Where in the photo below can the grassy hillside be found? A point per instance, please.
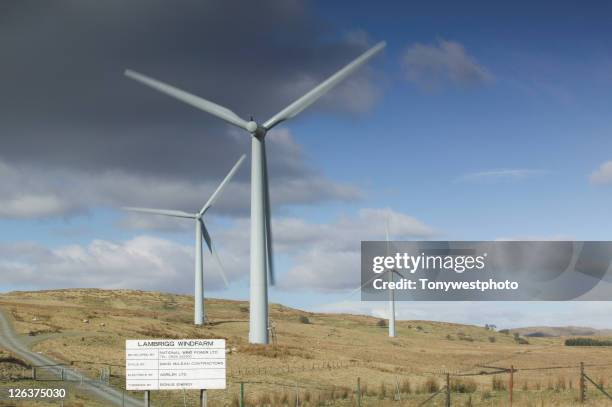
(323, 354)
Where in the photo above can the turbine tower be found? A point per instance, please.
(391, 292)
(262, 264)
(200, 231)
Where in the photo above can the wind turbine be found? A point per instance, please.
(391, 292)
(262, 263)
(200, 231)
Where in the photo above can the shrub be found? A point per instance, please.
(587, 342)
(492, 339)
(464, 386)
(520, 340)
(431, 385)
(498, 384)
(504, 331)
(304, 319)
(405, 386)
(382, 393)
(381, 323)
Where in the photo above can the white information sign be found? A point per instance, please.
(168, 364)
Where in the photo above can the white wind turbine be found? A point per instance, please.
(262, 263)
(200, 231)
(391, 292)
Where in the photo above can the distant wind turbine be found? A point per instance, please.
(262, 264)
(391, 291)
(200, 231)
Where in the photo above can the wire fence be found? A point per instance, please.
(284, 386)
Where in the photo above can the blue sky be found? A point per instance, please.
(478, 122)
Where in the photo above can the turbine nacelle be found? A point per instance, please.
(251, 127)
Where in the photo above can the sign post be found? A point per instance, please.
(203, 398)
(172, 364)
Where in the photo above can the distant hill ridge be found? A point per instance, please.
(559, 331)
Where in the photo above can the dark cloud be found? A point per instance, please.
(65, 103)
(76, 133)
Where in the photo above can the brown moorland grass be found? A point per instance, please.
(319, 360)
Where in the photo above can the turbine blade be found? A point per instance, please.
(387, 234)
(206, 236)
(214, 253)
(166, 212)
(217, 192)
(193, 100)
(363, 285)
(312, 96)
(268, 216)
(394, 271)
(221, 268)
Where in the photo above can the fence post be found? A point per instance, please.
(33, 372)
(511, 384)
(203, 398)
(62, 374)
(241, 394)
(358, 392)
(582, 384)
(147, 398)
(448, 390)
(297, 395)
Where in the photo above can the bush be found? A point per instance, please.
(405, 386)
(304, 319)
(587, 342)
(504, 331)
(381, 323)
(382, 393)
(498, 384)
(463, 386)
(522, 341)
(492, 339)
(431, 385)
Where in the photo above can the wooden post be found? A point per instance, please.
(358, 392)
(297, 395)
(62, 374)
(33, 372)
(241, 394)
(448, 390)
(582, 384)
(203, 398)
(511, 384)
(147, 398)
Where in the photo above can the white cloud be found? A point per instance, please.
(501, 175)
(327, 257)
(323, 256)
(432, 66)
(602, 175)
(32, 192)
(144, 263)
